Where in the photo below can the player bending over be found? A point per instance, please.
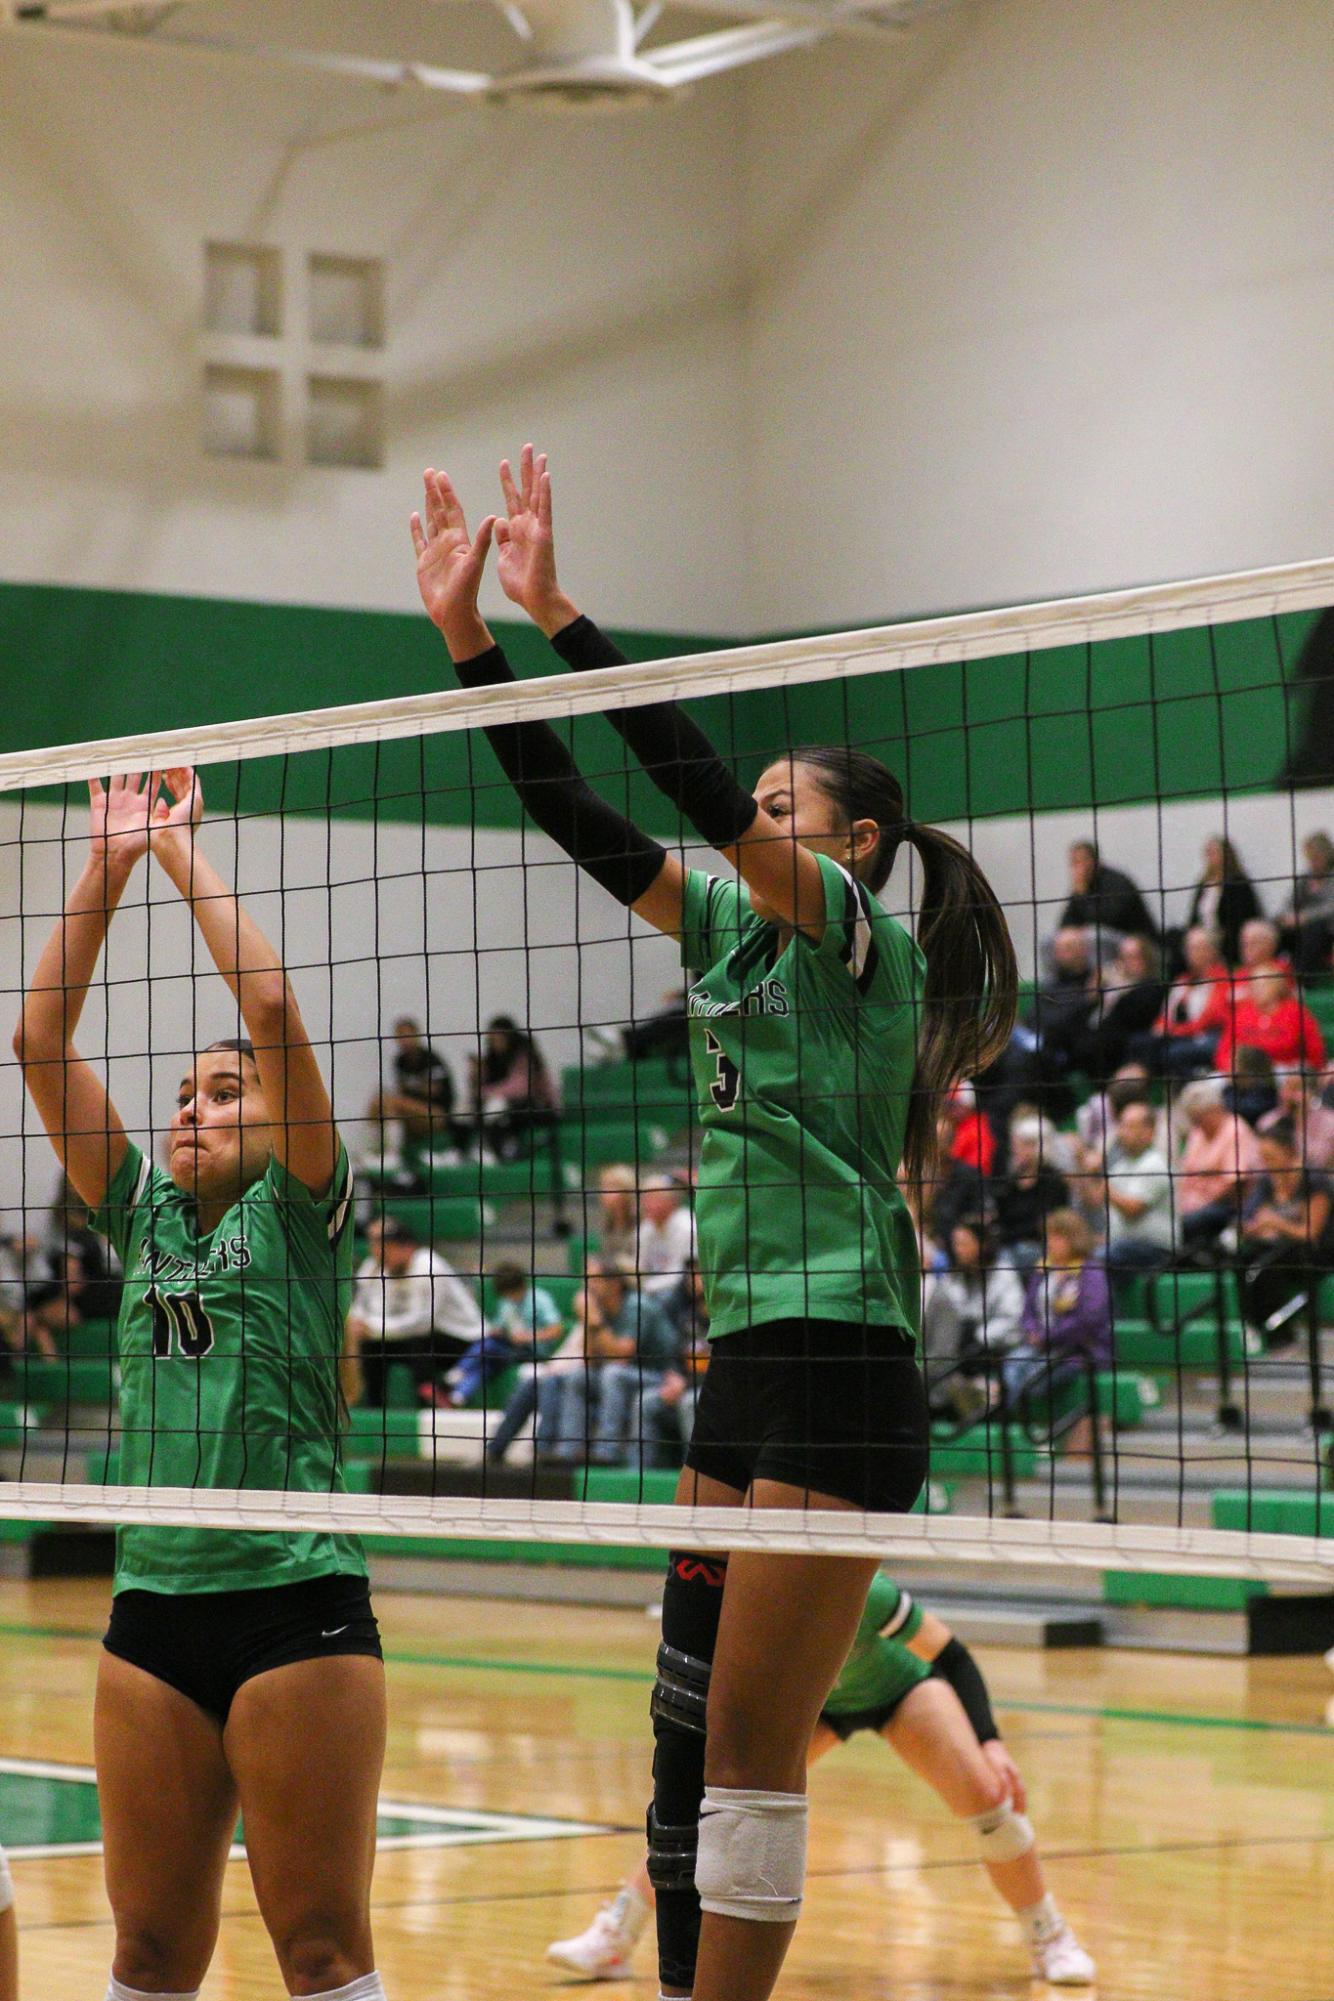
(238, 1669)
(822, 1039)
(908, 1678)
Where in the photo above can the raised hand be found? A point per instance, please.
(121, 818)
(176, 817)
(525, 547)
(450, 563)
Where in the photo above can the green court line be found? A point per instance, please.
(560, 1670)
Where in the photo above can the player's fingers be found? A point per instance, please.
(526, 474)
(481, 541)
(513, 501)
(451, 507)
(418, 534)
(544, 498)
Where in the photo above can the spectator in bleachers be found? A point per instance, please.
(1065, 999)
(661, 1035)
(665, 1245)
(1285, 1237)
(1220, 1158)
(628, 1345)
(1128, 1001)
(1028, 1191)
(955, 1189)
(1251, 1090)
(82, 1259)
(523, 1318)
(1104, 900)
(1067, 1321)
(539, 1389)
(409, 1306)
(971, 1138)
(972, 1314)
(1095, 1121)
(1135, 1195)
(618, 1212)
(29, 1297)
(667, 1413)
(1183, 1040)
(1259, 947)
(1224, 898)
(1312, 1121)
(1266, 1014)
(513, 1094)
(1307, 925)
(418, 1105)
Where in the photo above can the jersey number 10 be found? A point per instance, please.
(179, 1317)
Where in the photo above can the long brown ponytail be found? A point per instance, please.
(972, 980)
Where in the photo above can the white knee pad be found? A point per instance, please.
(117, 1991)
(6, 1883)
(1002, 1834)
(752, 1854)
(369, 1987)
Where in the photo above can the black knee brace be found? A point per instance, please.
(691, 1606)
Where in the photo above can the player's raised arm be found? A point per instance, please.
(71, 1099)
(305, 1140)
(673, 750)
(625, 862)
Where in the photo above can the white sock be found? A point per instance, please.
(369, 1987)
(1042, 1920)
(629, 1911)
(117, 1991)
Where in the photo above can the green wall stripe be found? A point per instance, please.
(1177, 716)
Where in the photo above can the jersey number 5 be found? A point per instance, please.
(726, 1086)
(179, 1316)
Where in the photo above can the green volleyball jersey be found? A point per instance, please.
(803, 1059)
(880, 1670)
(229, 1345)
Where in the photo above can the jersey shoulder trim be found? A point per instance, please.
(900, 1616)
(855, 923)
(340, 1197)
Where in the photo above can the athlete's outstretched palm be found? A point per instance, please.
(449, 561)
(121, 816)
(129, 812)
(525, 549)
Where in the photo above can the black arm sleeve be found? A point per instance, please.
(673, 750)
(956, 1665)
(559, 800)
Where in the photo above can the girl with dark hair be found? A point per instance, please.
(1223, 899)
(239, 1669)
(512, 1091)
(1285, 1236)
(822, 1038)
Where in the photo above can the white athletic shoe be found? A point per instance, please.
(1062, 1961)
(603, 1952)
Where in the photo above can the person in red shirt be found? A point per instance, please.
(1267, 1015)
(1184, 1037)
(972, 1139)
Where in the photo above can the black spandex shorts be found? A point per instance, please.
(852, 1720)
(824, 1405)
(206, 1643)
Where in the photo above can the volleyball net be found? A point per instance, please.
(1127, 1301)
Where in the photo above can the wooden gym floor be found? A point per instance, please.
(1185, 1807)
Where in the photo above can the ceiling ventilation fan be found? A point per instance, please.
(579, 54)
